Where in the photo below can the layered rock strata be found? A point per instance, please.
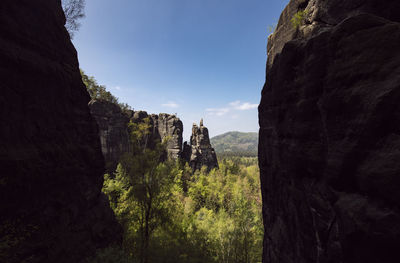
(51, 165)
(170, 127)
(164, 126)
(114, 134)
(113, 131)
(200, 152)
(329, 145)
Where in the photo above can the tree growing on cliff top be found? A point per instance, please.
(74, 10)
(100, 92)
(96, 91)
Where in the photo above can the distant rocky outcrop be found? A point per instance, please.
(200, 152)
(329, 145)
(164, 125)
(113, 131)
(51, 166)
(114, 135)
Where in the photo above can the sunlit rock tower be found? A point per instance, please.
(163, 126)
(114, 134)
(200, 152)
(171, 127)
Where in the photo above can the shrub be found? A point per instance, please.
(298, 18)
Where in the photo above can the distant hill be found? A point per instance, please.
(236, 143)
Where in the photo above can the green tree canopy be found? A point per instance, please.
(170, 215)
(100, 92)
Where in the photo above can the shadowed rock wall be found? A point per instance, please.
(51, 166)
(329, 145)
(113, 131)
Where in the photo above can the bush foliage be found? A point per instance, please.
(170, 214)
(100, 92)
(298, 18)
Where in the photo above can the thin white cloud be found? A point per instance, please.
(235, 103)
(217, 111)
(117, 87)
(246, 106)
(232, 106)
(170, 104)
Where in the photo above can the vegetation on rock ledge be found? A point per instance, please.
(100, 92)
(298, 18)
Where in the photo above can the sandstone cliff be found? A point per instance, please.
(162, 126)
(166, 125)
(329, 145)
(51, 166)
(114, 137)
(200, 152)
(113, 131)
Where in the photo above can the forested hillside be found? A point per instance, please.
(171, 214)
(236, 143)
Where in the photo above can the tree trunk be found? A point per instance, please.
(147, 231)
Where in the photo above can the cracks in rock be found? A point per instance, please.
(313, 212)
(331, 224)
(320, 21)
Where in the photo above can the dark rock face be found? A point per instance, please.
(113, 131)
(329, 145)
(51, 166)
(200, 152)
(162, 126)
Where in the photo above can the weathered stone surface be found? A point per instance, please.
(51, 166)
(114, 134)
(170, 126)
(113, 131)
(164, 125)
(200, 152)
(329, 145)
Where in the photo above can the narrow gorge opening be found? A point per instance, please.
(177, 200)
(182, 172)
(137, 131)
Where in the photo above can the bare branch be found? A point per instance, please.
(74, 10)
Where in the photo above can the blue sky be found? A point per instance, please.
(197, 58)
